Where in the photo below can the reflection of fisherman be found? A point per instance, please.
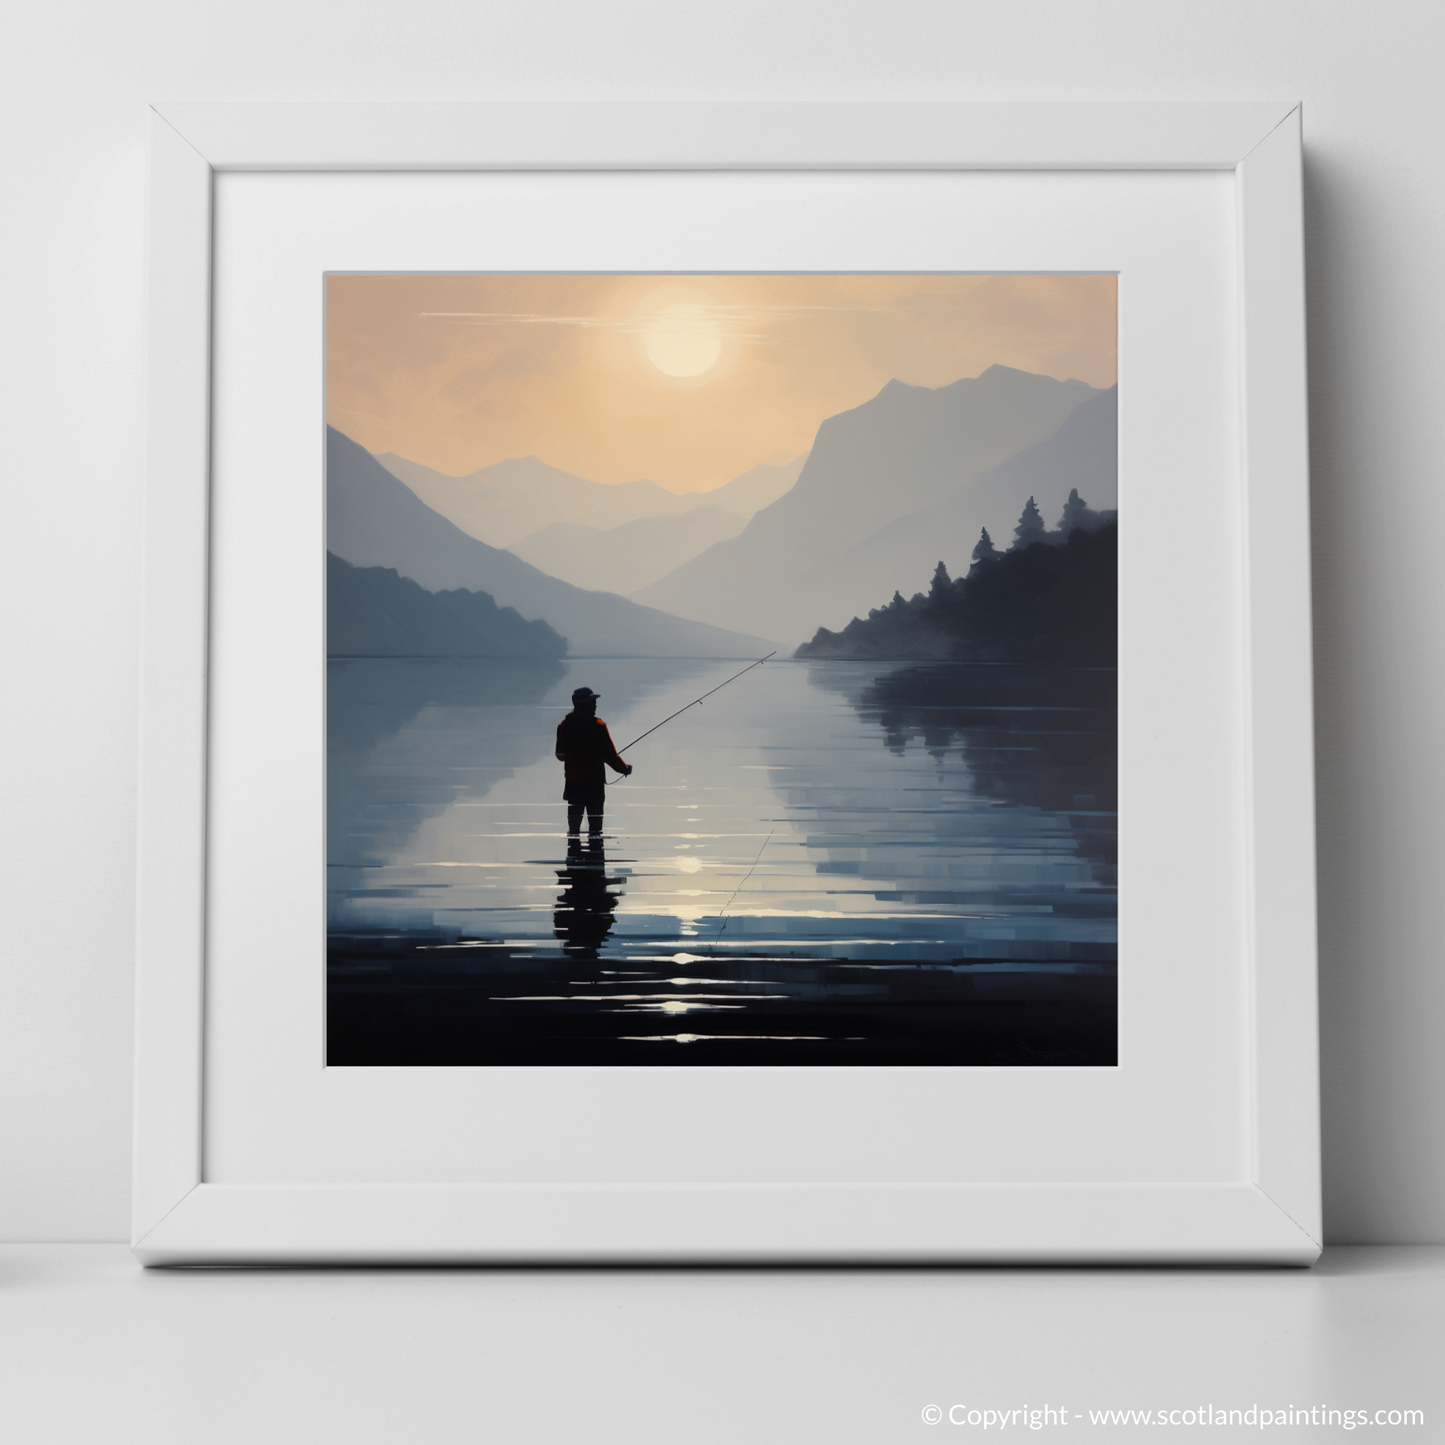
(584, 745)
(582, 917)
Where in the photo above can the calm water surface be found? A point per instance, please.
(824, 863)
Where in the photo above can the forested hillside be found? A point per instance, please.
(1051, 598)
(374, 612)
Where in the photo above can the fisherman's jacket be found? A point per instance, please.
(584, 745)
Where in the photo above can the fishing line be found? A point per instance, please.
(696, 701)
(741, 885)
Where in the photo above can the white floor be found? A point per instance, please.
(94, 1349)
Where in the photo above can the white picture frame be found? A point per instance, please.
(1269, 1213)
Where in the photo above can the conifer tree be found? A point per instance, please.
(983, 549)
(941, 585)
(1030, 528)
(1077, 513)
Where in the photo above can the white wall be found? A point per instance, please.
(79, 76)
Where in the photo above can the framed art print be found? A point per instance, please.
(890, 844)
(726, 683)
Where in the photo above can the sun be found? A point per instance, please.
(682, 341)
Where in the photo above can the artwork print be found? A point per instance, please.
(721, 670)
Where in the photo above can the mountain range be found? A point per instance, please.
(889, 489)
(374, 520)
(506, 503)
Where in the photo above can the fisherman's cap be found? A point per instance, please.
(584, 694)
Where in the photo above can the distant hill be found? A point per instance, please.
(624, 558)
(374, 520)
(504, 503)
(755, 489)
(795, 566)
(376, 612)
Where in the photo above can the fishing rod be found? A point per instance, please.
(696, 701)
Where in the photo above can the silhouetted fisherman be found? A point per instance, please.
(586, 750)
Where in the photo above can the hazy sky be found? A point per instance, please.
(687, 380)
